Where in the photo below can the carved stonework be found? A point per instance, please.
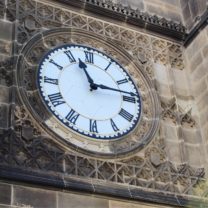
(6, 71)
(172, 113)
(39, 154)
(130, 15)
(143, 47)
(28, 147)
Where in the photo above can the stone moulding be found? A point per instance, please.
(152, 23)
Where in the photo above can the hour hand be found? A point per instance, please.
(110, 88)
(83, 66)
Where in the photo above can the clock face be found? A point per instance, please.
(89, 92)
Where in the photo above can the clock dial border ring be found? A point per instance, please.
(137, 105)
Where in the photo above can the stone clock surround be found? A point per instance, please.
(158, 173)
(27, 65)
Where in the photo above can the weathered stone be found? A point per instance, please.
(186, 13)
(196, 45)
(183, 3)
(174, 151)
(170, 131)
(204, 116)
(5, 194)
(157, 168)
(4, 94)
(205, 51)
(191, 135)
(200, 87)
(200, 73)
(180, 82)
(161, 73)
(201, 6)
(202, 102)
(194, 154)
(6, 30)
(155, 158)
(120, 204)
(4, 115)
(33, 197)
(133, 4)
(76, 201)
(193, 8)
(196, 61)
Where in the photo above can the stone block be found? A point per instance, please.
(164, 90)
(133, 4)
(193, 8)
(204, 117)
(205, 51)
(196, 45)
(183, 3)
(202, 103)
(191, 135)
(186, 13)
(196, 61)
(4, 116)
(201, 6)
(174, 151)
(204, 132)
(172, 14)
(153, 8)
(6, 30)
(199, 73)
(158, 3)
(194, 154)
(5, 194)
(161, 73)
(173, 2)
(169, 131)
(66, 200)
(200, 87)
(121, 204)
(4, 94)
(33, 197)
(180, 82)
(5, 47)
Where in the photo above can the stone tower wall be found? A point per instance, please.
(172, 169)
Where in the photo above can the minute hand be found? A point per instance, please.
(113, 89)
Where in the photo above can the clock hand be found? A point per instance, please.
(83, 66)
(93, 85)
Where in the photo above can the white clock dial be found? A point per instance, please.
(89, 92)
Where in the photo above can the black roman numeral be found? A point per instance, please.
(129, 99)
(122, 81)
(70, 56)
(50, 80)
(126, 115)
(72, 116)
(93, 126)
(58, 66)
(56, 99)
(89, 57)
(107, 66)
(115, 128)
